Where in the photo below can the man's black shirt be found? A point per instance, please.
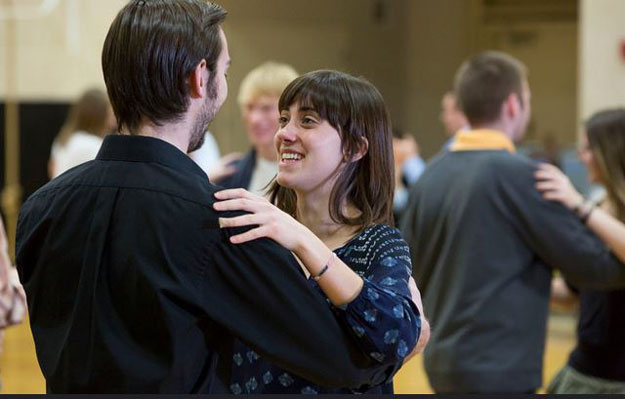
(133, 287)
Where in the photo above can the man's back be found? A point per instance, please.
(133, 287)
(482, 238)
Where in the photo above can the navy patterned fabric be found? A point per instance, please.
(383, 320)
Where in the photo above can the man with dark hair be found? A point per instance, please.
(484, 242)
(132, 286)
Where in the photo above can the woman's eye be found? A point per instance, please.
(283, 120)
(308, 121)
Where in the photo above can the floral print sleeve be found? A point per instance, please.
(383, 319)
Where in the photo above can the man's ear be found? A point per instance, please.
(363, 147)
(198, 80)
(512, 105)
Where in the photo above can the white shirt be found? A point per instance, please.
(79, 148)
(207, 156)
(264, 171)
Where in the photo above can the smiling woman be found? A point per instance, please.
(331, 206)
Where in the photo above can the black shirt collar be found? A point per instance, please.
(119, 147)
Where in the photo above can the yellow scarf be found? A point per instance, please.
(482, 139)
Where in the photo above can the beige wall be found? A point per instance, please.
(602, 69)
(342, 35)
(409, 49)
(58, 57)
(549, 50)
(55, 64)
(439, 36)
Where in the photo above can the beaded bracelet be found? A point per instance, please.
(325, 268)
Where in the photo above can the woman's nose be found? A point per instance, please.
(287, 133)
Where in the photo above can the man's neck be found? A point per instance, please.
(497, 126)
(176, 134)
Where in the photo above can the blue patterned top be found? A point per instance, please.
(383, 320)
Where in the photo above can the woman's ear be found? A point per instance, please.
(363, 147)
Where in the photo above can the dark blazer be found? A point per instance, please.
(242, 177)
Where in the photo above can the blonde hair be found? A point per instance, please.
(269, 78)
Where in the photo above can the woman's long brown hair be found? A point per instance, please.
(606, 140)
(356, 109)
(88, 114)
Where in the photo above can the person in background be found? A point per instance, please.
(258, 101)
(89, 119)
(207, 156)
(331, 204)
(452, 117)
(408, 168)
(549, 151)
(484, 242)
(12, 296)
(597, 364)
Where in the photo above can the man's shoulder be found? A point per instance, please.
(142, 179)
(500, 162)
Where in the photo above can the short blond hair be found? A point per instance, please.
(269, 78)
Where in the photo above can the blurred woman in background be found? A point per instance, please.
(597, 365)
(79, 140)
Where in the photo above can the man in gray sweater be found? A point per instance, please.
(484, 242)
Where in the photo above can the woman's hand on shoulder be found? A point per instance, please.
(556, 186)
(270, 221)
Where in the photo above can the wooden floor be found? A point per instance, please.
(20, 372)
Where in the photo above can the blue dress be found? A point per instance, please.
(383, 320)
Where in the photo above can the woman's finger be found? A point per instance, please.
(543, 174)
(249, 235)
(244, 220)
(552, 196)
(547, 185)
(239, 204)
(233, 193)
(549, 167)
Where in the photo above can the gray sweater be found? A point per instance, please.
(483, 246)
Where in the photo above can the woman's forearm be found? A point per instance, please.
(610, 230)
(340, 284)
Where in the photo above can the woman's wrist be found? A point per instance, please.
(311, 250)
(583, 210)
(577, 202)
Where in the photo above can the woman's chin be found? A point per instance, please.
(283, 181)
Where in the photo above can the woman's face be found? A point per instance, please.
(586, 157)
(309, 151)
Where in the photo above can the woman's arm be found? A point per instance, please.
(339, 283)
(12, 296)
(386, 321)
(562, 297)
(377, 309)
(556, 186)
